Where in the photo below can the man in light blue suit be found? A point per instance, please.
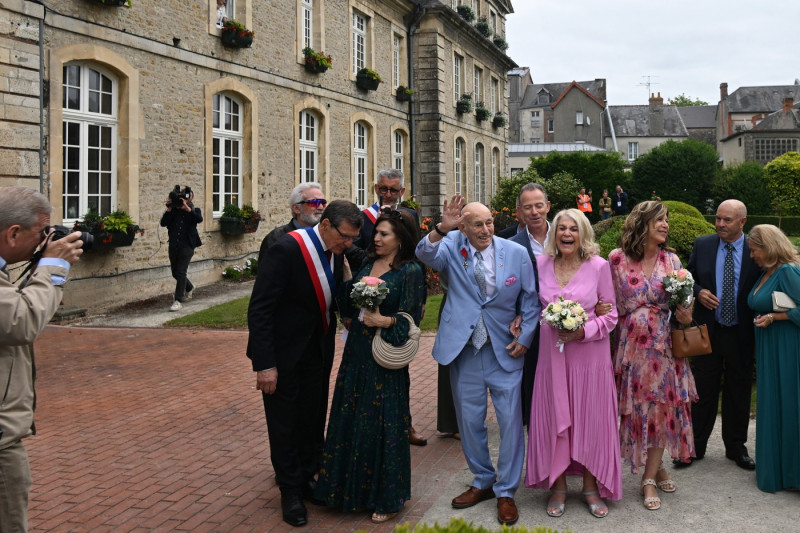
(488, 279)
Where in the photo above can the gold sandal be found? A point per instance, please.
(651, 503)
(666, 485)
(379, 518)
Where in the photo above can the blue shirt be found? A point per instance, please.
(738, 250)
(48, 261)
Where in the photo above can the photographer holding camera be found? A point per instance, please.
(24, 312)
(181, 219)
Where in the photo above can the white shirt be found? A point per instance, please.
(488, 267)
(536, 247)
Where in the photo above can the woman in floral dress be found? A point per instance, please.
(655, 390)
(366, 463)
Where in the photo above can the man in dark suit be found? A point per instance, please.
(306, 202)
(291, 344)
(722, 306)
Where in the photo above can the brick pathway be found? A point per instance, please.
(163, 430)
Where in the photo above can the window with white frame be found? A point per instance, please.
(550, 125)
(309, 147)
(360, 159)
(479, 175)
(493, 22)
(495, 166)
(359, 42)
(396, 60)
(398, 149)
(458, 75)
(535, 119)
(476, 7)
(89, 132)
(495, 96)
(308, 23)
(458, 165)
(579, 117)
(633, 151)
(478, 84)
(227, 140)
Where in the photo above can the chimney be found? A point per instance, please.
(788, 104)
(723, 91)
(656, 100)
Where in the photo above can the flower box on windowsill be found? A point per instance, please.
(367, 79)
(106, 240)
(231, 226)
(403, 94)
(481, 112)
(316, 62)
(113, 3)
(315, 68)
(235, 35)
(499, 120)
(464, 104)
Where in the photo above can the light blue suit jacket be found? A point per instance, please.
(514, 281)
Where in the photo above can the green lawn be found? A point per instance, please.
(233, 315)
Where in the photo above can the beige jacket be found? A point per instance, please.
(24, 313)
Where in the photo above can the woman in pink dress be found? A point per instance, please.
(655, 390)
(573, 425)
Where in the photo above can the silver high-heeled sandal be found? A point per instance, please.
(555, 509)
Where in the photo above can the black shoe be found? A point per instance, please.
(742, 460)
(294, 512)
(308, 493)
(677, 463)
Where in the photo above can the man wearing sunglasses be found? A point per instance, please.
(25, 310)
(306, 203)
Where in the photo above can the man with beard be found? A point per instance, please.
(306, 203)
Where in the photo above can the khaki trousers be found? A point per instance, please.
(15, 483)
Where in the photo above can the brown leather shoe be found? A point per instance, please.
(472, 496)
(415, 438)
(507, 513)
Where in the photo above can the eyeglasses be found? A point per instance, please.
(343, 236)
(315, 202)
(384, 190)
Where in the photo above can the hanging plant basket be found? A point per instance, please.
(464, 104)
(251, 225)
(403, 94)
(482, 113)
(316, 62)
(499, 121)
(113, 3)
(315, 68)
(367, 79)
(231, 226)
(235, 35)
(106, 240)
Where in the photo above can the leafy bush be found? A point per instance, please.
(607, 234)
(744, 182)
(459, 525)
(782, 176)
(595, 171)
(232, 211)
(233, 273)
(682, 208)
(789, 225)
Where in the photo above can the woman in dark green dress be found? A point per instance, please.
(777, 360)
(366, 464)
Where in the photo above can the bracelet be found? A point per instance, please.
(440, 232)
(771, 318)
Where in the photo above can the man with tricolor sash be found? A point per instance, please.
(291, 344)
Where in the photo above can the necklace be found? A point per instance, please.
(647, 269)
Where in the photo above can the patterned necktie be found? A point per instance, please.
(728, 301)
(480, 335)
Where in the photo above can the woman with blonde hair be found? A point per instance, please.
(777, 359)
(654, 388)
(573, 424)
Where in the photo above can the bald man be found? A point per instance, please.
(487, 277)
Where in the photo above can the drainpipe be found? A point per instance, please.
(611, 127)
(41, 105)
(419, 12)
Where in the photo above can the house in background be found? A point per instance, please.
(700, 122)
(757, 123)
(637, 129)
(520, 154)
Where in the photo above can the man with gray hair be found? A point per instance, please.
(306, 203)
(24, 312)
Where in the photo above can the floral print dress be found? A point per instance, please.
(655, 390)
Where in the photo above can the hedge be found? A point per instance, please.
(789, 225)
(459, 525)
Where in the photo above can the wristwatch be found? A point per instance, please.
(440, 232)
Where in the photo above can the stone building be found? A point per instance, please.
(109, 107)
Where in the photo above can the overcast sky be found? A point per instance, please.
(685, 46)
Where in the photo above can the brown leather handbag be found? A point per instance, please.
(690, 341)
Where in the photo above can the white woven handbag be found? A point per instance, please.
(395, 357)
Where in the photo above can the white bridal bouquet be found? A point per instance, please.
(680, 286)
(368, 293)
(564, 314)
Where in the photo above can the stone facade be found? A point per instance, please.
(166, 64)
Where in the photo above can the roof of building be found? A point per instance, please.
(577, 86)
(635, 121)
(528, 149)
(699, 116)
(519, 71)
(596, 88)
(781, 120)
(764, 99)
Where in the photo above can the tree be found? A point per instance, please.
(782, 176)
(682, 171)
(743, 182)
(685, 101)
(595, 171)
(562, 189)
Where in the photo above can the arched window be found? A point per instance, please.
(309, 147)
(227, 140)
(458, 165)
(360, 159)
(479, 174)
(89, 141)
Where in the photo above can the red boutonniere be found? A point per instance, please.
(464, 255)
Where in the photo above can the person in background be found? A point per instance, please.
(584, 201)
(654, 388)
(777, 335)
(619, 203)
(722, 306)
(181, 219)
(605, 205)
(25, 310)
(222, 13)
(367, 461)
(573, 420)
(306, 203)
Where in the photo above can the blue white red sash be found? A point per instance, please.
(319, 269)
(373, 211)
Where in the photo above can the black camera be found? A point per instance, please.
(178, 197)
(60, 232)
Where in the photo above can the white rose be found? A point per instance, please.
(569, 323)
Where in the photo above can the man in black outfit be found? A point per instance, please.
(181, 219)
(291, 344)
(721, 291)
(619, 202)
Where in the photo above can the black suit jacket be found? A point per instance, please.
(284, 316)
(702, 265)
(510, 232)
